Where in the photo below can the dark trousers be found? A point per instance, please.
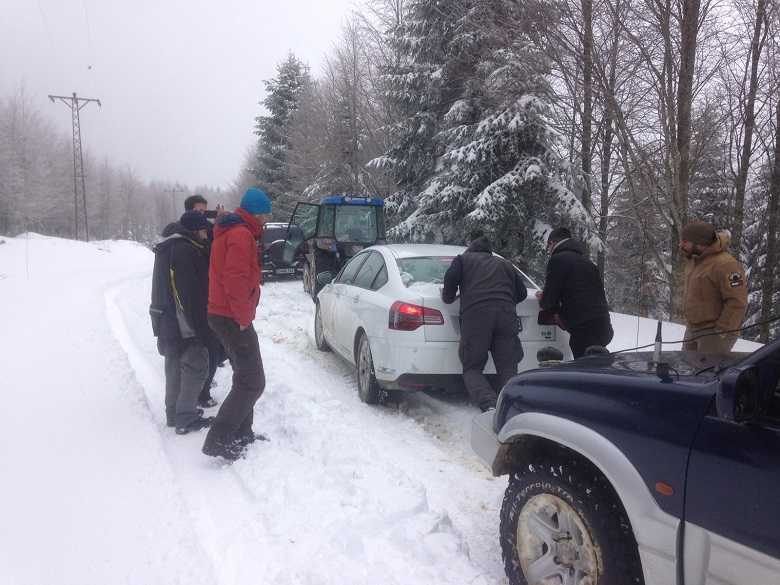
(594, 332)
(186, 364)
(489, 328)
(236, 413)
(216, 357)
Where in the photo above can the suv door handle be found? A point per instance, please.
(355, 298)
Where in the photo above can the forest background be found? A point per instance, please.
(621, 119)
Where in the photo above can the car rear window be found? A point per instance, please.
(431, 269)
(428, 269)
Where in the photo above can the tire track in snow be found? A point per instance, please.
(446, 418)
(343, 493)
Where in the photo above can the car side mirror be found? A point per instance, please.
(324, 278)
(546, 318)
(739, 394)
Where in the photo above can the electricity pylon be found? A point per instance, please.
(75, 104)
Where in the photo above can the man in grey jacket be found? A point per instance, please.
(490, 288)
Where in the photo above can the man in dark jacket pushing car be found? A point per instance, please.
(574, 291)
(490, 289)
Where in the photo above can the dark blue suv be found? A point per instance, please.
(623, 471)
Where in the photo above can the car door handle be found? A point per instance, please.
(355, 298)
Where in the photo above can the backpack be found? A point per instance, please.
(162, 309)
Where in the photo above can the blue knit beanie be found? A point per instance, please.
(255, 201)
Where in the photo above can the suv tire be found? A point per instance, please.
(319, 334)
(570, 524)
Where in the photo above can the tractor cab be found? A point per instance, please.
(333, 231)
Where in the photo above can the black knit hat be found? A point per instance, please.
(194, 221)
(698, 232)
(559, 234)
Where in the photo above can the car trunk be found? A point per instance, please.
(528, 312)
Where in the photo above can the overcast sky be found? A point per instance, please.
(179, 80)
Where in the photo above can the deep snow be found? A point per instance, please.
(96, 490)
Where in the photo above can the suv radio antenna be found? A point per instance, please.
(658, 342)
(661, 368)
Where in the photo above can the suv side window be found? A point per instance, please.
(369, 271)
(350, 270)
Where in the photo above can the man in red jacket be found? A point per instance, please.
(234, 292)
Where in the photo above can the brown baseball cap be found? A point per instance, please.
(698, 232)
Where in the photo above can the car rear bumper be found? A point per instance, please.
(282, 271)
(394, 361)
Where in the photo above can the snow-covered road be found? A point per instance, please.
(97, 490)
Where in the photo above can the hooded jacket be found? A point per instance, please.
(235, 270)
(482, 277)
(573, 286)
(180, 286)
(715, 289)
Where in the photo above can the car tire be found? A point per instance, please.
(319, 334)
(368, 388)
(571, 525)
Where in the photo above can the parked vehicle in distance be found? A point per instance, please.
(625, 470)
(277, 263)
(383, 313)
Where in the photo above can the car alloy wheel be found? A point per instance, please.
(368, 388)
(554, 544)
(319, 334)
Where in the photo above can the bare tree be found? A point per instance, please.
(760, 28)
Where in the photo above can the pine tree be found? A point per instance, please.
(283, 94)
(479, 150)
(417, 87)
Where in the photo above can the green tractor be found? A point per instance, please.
(333, 231)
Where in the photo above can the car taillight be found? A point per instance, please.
(408, 317)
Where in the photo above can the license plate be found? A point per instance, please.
(547, 332)
(285, 271)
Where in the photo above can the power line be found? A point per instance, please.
(75, 104)
(46, 27)
(89, 31)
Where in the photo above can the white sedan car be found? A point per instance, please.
(383, 313)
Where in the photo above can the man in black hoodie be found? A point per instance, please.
(490, 288)
(178, 310)
(573, 289)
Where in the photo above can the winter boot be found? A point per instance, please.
(196, 425)
(221, 442)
